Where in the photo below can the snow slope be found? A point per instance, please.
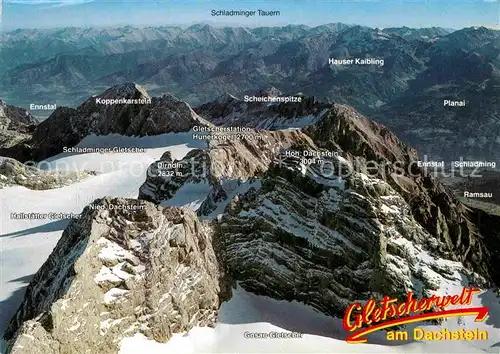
(26, 244)
(180, 143)
(190, 195)
(247, 312)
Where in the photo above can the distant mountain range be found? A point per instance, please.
(422, 68)
(67, 65)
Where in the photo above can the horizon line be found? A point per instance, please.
(228, 25)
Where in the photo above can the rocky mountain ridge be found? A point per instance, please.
(14, 173)
(136, 115)
(42, 44)
(228, 110)
(342, 129)
(146, 262)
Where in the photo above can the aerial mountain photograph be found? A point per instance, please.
(249, 176)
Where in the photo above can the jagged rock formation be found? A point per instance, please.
(16, 125)
(346, 129)
(13, 172)
(227, 110)
(327, 242)
(140, 115)
(219, 167)
(433, 205)
(124, 266)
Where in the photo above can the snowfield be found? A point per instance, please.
(247, 313)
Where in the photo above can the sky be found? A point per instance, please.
(384, 13)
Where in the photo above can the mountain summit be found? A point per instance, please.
(123, 109)
(128, 90)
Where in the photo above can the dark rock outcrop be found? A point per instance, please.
(326, 242)
(16, 126)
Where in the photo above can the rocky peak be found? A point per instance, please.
(126, 90)
(270, 91)
(164, 115)
(343, 127)
(324, 236)
(125, 266)
(15, 118)
(433, 205)
(326, 242)
(230, 111)
(139, 117)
